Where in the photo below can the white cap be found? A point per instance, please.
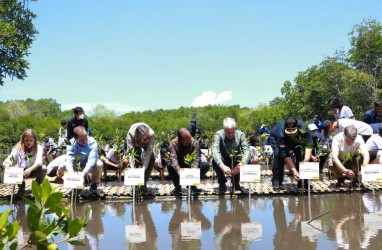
(263, 126)
(312, 127)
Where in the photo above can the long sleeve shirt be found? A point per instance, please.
(88, 154)
(282, 144)
(133, 143)
(21, 159)
(178, 153)
(73, 122)
(222, 147)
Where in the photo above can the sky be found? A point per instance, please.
(136, 55)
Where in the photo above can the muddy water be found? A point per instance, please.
(353, 221)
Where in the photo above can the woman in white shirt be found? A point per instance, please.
(27, 154)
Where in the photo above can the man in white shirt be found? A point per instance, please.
(363, 129)
(374, 146)
(346, 148)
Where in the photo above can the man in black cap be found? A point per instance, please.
(195, 129)
(291, 136)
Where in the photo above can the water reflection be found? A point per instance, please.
(94, 230)
(186, 225)
(354, 222)
(143, 227)
(227, 224)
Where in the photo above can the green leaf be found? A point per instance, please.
(53, 200)
(45, 190)
(4, 218)
(75, 226)
(36, 191)
(76, 243)
(12, 230)
(33, 219)
(37, 237)
(50, 227)
(31, 204)
(13, 246)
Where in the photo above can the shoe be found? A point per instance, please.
(177, 190)
(241, 189)
(195, 189)
(299, 185)
(340, 183)
(222, 188)
(93, 190)
(276, 187)
(146, 191)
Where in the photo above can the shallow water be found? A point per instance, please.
(354, 221)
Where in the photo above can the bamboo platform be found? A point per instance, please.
(116, 190)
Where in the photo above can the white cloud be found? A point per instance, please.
(211, 98)
(118, 108)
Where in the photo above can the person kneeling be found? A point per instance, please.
(181, 146)
(347, 146)
(82, 155)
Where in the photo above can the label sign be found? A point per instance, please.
(13, 175)
(314, 228)
(372, 172)
(135, 233)
(191, 230)
(309, 170)
(251, 231)
(250, 173)
(189, 176)
(134, 177)
(74, 179)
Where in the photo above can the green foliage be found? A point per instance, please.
(235, 156)
(78, 159)
(133, 156)
(45, 228)
(351, 156)
(190, 158)
(301, 141)
(17, 34)
(8, 231)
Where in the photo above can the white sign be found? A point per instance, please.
(191, 230)
(250, 173)
(373, 221)
(74, 179)
(189, 176)
(135, 233)
(13, 175)
(251, 231)
(134, 177)
(313, 228)
(372, 172)
(309, 170)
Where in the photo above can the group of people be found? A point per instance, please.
(292, 141)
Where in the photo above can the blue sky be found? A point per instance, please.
(146, 55)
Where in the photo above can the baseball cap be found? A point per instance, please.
(193, 121)
(291, 126)
(312, 127)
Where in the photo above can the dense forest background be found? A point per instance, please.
(355, 75)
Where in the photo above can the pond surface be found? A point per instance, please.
(353, 221)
